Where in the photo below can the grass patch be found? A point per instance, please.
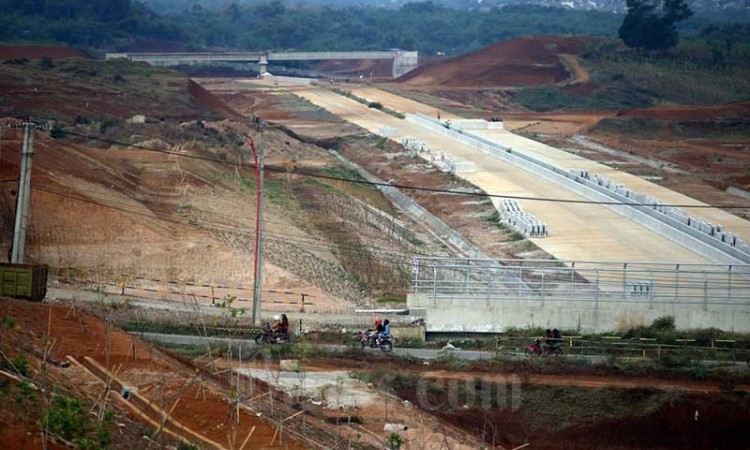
(556, 408)
(686, 75)
(69, 419)
(193, 351)
(189, 329)
(374, 105)
(390, 299)
(277, 194)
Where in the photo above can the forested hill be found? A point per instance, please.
(113, 24)
(88, 24)
(427, 27)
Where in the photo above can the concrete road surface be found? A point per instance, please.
(577, 231)
(563, 159)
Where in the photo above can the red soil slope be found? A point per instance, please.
(527, 61)
(38, 52)
(355, 68)
(211, 102)
(203, 405)
(739, 109)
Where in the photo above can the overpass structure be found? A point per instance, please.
(403, 61)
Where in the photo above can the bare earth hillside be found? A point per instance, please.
(526, 61)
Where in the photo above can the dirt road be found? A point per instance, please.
(580, 75)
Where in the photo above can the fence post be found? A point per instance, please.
(729, 283)
(705, 291)
(572, 278)
(520, 279)
(651, 292)
(658, 354)
(434, 286)
(596, 292)
(489, 287)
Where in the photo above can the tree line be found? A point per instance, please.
(275, 26)
(426, 27)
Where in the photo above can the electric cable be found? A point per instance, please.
(312, 174)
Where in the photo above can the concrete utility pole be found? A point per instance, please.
(258, 267)
(24, 190)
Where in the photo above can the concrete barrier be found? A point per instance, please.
(476, 316)
(403, 333)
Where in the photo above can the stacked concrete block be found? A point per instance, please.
(512, 214)
(414, 144)
(638, 288)
(581, 173)
(678, 215)
(715, 231)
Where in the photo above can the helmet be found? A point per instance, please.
(276, 317)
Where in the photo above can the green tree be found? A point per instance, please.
(652, 24)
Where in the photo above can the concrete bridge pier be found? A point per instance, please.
(263, 65)
(404, 62)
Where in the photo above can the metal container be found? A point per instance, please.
(27, 281)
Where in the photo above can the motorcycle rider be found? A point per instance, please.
(374, 332)
(546, 341)
(386, 333)
(556, 341)
(281, 328)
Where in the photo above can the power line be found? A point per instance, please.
(310, 174)
(132, 209)
(307, 243)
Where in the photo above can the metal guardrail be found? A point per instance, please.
(720, 349)
(442, 279)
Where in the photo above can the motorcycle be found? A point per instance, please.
(536, 348)
(269, 336)
(367, 338)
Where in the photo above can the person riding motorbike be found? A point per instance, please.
(386, 333)
(373, 332)
(547, 341)
(281, 327)
(556, 342)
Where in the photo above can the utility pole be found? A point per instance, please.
(258, 266)
(24, 189)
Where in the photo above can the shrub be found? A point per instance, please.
(662, 324)
(375, 105)
(699, 371)
(69, 419)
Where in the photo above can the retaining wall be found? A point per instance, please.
(476, 315)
